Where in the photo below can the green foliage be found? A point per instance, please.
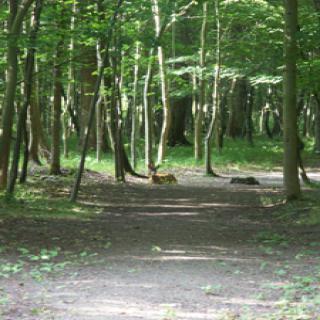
(271, 238)
(302, 212)
(37, 200)
(236, 155)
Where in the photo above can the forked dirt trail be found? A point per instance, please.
(192, 251)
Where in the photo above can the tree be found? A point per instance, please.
(21, 125)
(166, 122)
(202, 85)
(57, 111)
(290, 169)
(18, 11)
(215, 97)
(94, 101)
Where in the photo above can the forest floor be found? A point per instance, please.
(201, 249)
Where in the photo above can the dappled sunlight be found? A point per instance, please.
(126, 310)
(120, 309)
(240, 301)
(192, 258)
(165, 214)
(188, 257)
(178, 197)
(198, 248)
(218, 306)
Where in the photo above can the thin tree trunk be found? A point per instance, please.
(317, 125)
(266, 122)
(119, 167)
(68, 105)
(99, 117)
(21, 125)
(215, 97)
(94, 100)
(16, 17)
(166, 122)
(249, 124)
(202, 84)
(65, 126)
(148, 112)
(290, 170)
(24, 169)
(36, 131)
(99, 129)
(57, 111)
(148, 82)
(134, 108)
(109, 121)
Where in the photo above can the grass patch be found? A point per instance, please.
(43, 199)
(49, 198)
(305, 211)
(236, 155)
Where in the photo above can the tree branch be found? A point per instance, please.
(22, 11)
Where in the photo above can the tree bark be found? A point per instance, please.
(237, 104)
(180, 110)
(134, 108)
(16, 17)
(290, 170)
(36, 130)
(88, 78)
(93, 103)
(57, 111)
(21, 125)
(148, 111)
(317, 125)
(166, 122)
(202, 88)
(215, 96)
(249, 122)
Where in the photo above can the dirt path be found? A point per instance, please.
(197, 250)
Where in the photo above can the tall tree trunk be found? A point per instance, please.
(99, 129)
(99, 111)
(249, 122)
(36, 130)
(88, 78)
(147, 85)
(148, 111)
(118, 148)
(25, 162)
(215, 97)
(16, 16)
(238, 99)
(65, 126)
(21, 125)
(134, 108)
(202, 87)
(93, 103)
(266, 122)
(317, 107)
(290, 170)
(166, 122)
(180, 110)
(317, 125)
(57, 111)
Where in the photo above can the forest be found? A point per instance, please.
(159, 159)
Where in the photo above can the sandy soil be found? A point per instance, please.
(189, 251)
